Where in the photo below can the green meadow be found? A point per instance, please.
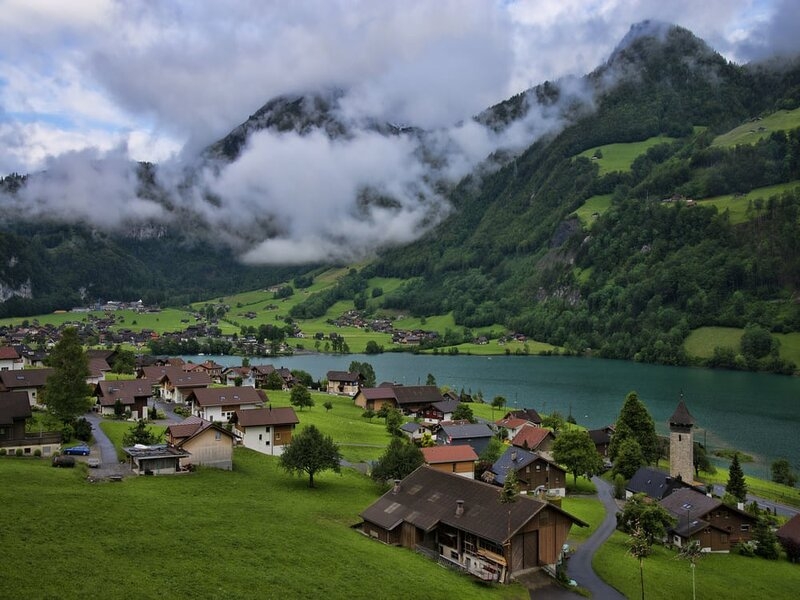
(254, 532)
(740, 206)
(592, 208)
(620, 157)
(701, 342)
(758, 129)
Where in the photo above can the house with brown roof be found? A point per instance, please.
(133, 394)
(788, 535)
(175, 384)
(10, 360)
(602, 439)
(452, 459)
(410, 399)
(513, 425)
(219, 404)
(210, 367)
(461, 522)
(344, 382)
(535, 472)
(537, 439)
(717, 526)
(209, 444)
(15, 410)
(262, 372)
(98, 367)
(30, 381)
(266, 430)
(437, 412)
(239, 376)
(528, 414)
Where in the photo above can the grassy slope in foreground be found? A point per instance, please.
(254, 532)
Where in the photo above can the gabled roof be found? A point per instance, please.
(8, 353)
(126, 390)
(517, 458)
(654, 483)
(98, 366)
(529, 414)
(255, 417)
(378, 393)
(790, 530)
(428, 497)
(417, 394)
(345, 376)
(446, 406)
(190, 428)
(681, 416)
(26, 378)
(511, 422)
(447, 454)
(14, 406)
(186, 379)
(469, 431)
(531, 436)
(227, 396)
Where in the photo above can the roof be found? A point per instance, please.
(681, 416)
(378, 393)
(13, 407)
(142, 452)
(428, 497)
(266, 416)
(26, 378)
(654, 483)
(531, 437)
(511, 422)
(343, 376)
(8, 353)
(177, 376)
(600, 436)
(97, 366)
(471, 430)
(228, 396)
(529, 414)
(192, 426)
(790, 530)
(688, 500)
(516, 458)
(124, 390)
(417, 394)
(446, 454)
(447, 405)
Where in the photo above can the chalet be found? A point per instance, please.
(262, 372)
(414, 431)
(602, 439)
(513, 425)
(344, 382)
(266, 430)
(528, 414)
(160, 459)
(788, 535)
(30, 381)
(537, 439)
(211, 368)
(410, 399)
(98, 367)
(653, 483)
(10, 360)
(15, 410)
(460, 522)
(477, 435)
(208, 444)
(133, 395)
(439, 411)
(239, 376)
(535, 472)
(717, 526)
(219, 404)
(452, 459)
(175, 384)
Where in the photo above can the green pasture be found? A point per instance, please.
(758, 129)
(620, 157)
(251, 532)
(667, 576)
(594, 205)
(740, 206)
(702, 341)
(589, 510)
(790, 346)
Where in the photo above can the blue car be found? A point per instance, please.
(81, 450)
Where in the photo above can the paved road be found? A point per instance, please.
(579, 567)
(783, 510)
(110, 465)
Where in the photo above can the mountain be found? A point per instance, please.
(611, 216)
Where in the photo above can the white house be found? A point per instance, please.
(266, 430)
(219, 404)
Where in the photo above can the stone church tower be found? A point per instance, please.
(681, 444)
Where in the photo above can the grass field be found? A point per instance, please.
(717, 575)
(752, 131)
(737, 205)
(701, 342)
(254, 532)
(596, 205)
(620, 157)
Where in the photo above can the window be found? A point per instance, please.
(277, 436)
(745, 527)
(218, 435)
(260, 437)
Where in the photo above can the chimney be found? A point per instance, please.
(459, 508)
(396, 487)
(513, 456)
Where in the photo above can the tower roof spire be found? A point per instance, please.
(681, 416)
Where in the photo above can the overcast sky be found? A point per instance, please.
(148, 80)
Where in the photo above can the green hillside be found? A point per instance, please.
(620, 157)
(759, 128)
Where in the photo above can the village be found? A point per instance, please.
(447, 508)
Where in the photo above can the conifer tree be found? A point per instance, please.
(635, 417)
(736, 486)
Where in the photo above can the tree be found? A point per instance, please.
(140, 433)
(394, 419)
(498, 402)
(430, 379)
(576, 451)
(398, 460)
(640, 549)
(555, 421)
(782, 472)
(66, 393)
(373, 348)
(508, 496)
(765, 538)
(692, 552)
(301, 397)
(640, 426)
(463, 412)
(125, 361)
(701, 460)
(311, 452)
(274, 381)
(328, 405)
(736, 485)
(368, 414)
(303, 377)
(366, 371)
(651, 517)
(757, 342)
(629, 458)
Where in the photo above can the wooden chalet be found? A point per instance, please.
(460, 523)
(653, 483)
(451, 459)
(410, 399)
(208, 444)
(344, 382)
(602, 439)
(15, 410)
(133, 395)
(535, 472)
(174, 384)
(30, 381)
(527, 414)
(219, 404)
(537, 439)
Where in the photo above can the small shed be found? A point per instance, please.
(159, 459)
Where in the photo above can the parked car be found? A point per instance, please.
(79, 450)
(62, 461)
(94, 463)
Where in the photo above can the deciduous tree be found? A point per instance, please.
(400, 459)
(301, 397)
(66, 393)
(463, 412)
(576, 451)
(366, 371)
(782, 472)
(311, 452)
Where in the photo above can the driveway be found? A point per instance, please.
(110, 465)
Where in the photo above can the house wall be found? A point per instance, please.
(211, 448)
(159, 466)
(266, 439)
(379, 533)
(730, 522)
(553, 529)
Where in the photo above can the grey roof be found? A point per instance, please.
(429, 497)
(25, 378)
(14, 406)
(153, 452)
(473, 430)
(654, 483)
(681, 416)
(446, 406)
(515, 458)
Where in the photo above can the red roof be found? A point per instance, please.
(445, 454)
(530, 437)
(511, 423)
(8, 353)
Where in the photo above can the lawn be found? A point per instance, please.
(752, 131)
(620, 157)
(739, 206)
(251, 532)
(593, 208)
(115, 430)
(717, 575)
(590, 510)
(702, 341)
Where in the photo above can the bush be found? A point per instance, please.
(37, 453)
(19, 452)
(3, 452)
(67, 433)
(83, 429)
